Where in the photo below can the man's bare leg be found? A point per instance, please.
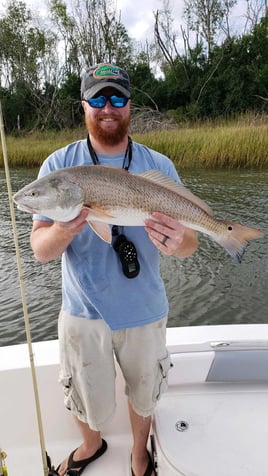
(91, 443)
(140, 430)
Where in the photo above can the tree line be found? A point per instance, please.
(203, 69)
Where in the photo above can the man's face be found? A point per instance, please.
(108, 125)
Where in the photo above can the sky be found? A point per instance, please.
(137, 15)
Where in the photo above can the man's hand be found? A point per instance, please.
(50, 239)
(75, 226)
(170, 237)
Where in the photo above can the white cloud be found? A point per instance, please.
(137, 16)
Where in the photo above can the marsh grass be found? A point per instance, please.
(30, 150)
(206, 146)
(213, 147)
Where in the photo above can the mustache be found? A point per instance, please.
(103, 115)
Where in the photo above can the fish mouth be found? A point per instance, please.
(26, 208)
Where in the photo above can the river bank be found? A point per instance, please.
(237, 145)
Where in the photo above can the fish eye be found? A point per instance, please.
(33, 193)
(230, 228)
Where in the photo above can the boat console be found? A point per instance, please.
(213, 421)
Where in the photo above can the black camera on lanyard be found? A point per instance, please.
(128, 256)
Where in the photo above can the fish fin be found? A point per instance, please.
(101, 229)
(171, 184)
(236, 238)
(95, 216)
(98, 212)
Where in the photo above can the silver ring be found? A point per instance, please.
(164, 240)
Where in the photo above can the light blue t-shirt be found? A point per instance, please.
(93, 283)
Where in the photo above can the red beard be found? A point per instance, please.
(105, 136)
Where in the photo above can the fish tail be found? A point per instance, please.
(236, 238)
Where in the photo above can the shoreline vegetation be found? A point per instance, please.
(229, 144)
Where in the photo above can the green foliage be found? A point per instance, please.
(40, 68)
(22, 47)
(240, 78)
(207, 17)
(143, 84)
(69, 97)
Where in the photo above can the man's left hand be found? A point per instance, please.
(170, 237)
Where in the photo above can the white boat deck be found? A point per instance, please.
(218, 386)
(19, 435)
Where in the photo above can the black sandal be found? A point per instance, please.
(149, 469)
(82, 463)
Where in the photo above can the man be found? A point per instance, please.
(110, 308)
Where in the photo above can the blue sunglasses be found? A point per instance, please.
(115, 101)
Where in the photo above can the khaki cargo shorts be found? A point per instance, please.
(87, 351)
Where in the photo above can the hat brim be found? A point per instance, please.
(88, 94)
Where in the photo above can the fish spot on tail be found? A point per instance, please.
(242, 233)
(236, 238)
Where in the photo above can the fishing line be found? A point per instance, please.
(23, 297)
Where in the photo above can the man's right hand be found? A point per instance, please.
(50, 239)
(75, 226)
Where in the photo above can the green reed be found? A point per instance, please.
(213, 147)
(206, 146)
(30, 150)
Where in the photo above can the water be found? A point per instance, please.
(207, 288)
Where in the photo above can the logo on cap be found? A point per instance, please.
(106, 71)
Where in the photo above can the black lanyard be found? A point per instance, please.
(125, 248)
(127, 156)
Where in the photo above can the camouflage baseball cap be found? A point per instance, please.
(102, 76)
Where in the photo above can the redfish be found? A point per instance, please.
(115, 197)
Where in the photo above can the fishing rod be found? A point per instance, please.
(48, 470)
(3, 468)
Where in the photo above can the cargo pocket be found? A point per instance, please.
(71, 398)
(161, 383)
